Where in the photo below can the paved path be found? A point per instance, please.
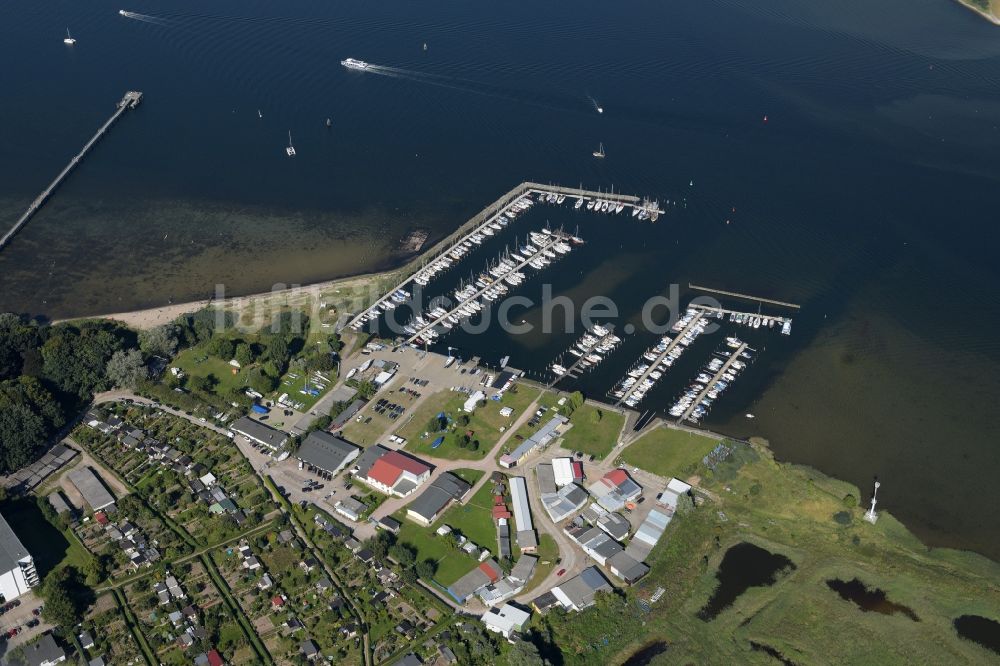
(121, 395)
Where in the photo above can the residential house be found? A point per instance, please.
(506, 619)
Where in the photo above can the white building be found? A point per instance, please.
(506, 619)
(17, 568)
(473, 401)
(562, 470)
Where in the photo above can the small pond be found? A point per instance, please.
(980, 629)
(873, 600)
(743, 566)
(645, 655)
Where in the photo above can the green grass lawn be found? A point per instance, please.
(452, 563)
(547, 552)
(485, 423)
(595, 431)
(474, 520)
(50, 547)
(470, 476)
(669, 452)
(365, 434)
(294, 385)
(195, 362)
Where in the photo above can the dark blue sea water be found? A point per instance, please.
(868, 196)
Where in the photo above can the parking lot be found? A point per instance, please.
(21, 621)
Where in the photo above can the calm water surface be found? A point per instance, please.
(868, 196)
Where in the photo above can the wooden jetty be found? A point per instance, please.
(747, 297)
(129, 101)
(718, 375)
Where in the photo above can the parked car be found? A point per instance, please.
(560, 572)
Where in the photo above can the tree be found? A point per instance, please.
(29, 416)
(126, 368)
(222, 347)
(66, 597)
(160, 340)
(524, 653)
(426, 569)
(75, 358)
(244, 354)
(403, 553)
(18, 337)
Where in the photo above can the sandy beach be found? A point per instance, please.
(342, 294)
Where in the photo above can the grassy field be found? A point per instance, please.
(474, 520)
(294, 386)
(470, 476)
(548, 552)
(485, 423)
(789, 510)
(362, 433)
(195, 362)
(595, 431)
(51, 547)
(669, 452)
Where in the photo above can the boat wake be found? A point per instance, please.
(472, 87)
(146, 18)
(597, 106)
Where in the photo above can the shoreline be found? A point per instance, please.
(992, 18)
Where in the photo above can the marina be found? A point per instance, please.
(632, 388)
(494, 218)
(749, 319)
(696, 402)
(539, 253)
(592, 348)
(129, 101)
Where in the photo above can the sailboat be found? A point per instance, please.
(329, 122)
(69, 38)
(290, 149)
(600, 151)
(259, 114)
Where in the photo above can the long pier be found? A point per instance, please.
(718, 375)
(556, 237)
(746, 297)
(653, 365)
(129, 101)
(484, 218)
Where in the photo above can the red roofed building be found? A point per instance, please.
(101, 519)
(490, 572)
(577, 470)
(616, 477)
(500, 511)
(277, 601)
(396, 474)
(214, 658)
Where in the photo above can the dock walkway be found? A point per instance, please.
(653, 365)
(484, 218)
(556, 236)
(718, 375)
(129, 101)
(712, 309)
(571, 370)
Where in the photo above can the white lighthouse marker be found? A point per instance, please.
(870, 515)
